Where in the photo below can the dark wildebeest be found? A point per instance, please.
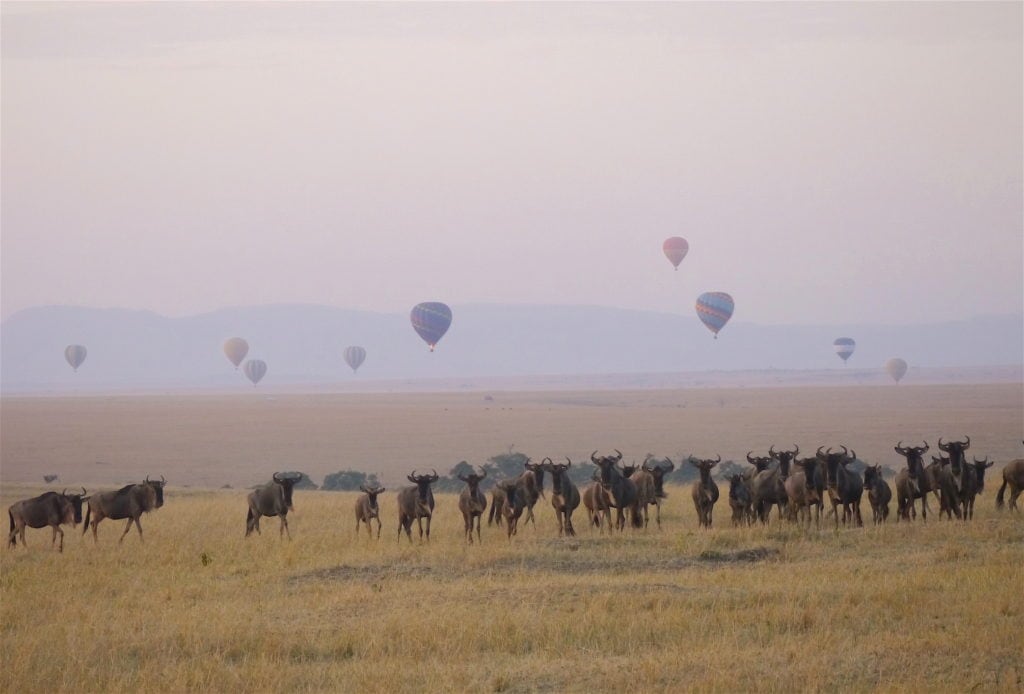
(416, 503)
(565, 497)
(974, 484)
(620, 489)
(845, 487)
(271, 499)
(806, 488)
(913, 482)
(597, 502)
(945, 487)
(879, 493)
(704, 490)
(128, 502)
(963, 475)
(768, 488)
(48, 509)
(650, 485)
(472, 503)
(367, 508)
(760, 465)
(739, 500)
(512, 509)
(1013, 477)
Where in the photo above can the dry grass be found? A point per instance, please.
(197, 607)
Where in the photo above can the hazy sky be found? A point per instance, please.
(834, 163)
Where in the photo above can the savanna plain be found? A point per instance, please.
(933, 606)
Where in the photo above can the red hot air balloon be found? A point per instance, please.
(431, 320)
(675, 249)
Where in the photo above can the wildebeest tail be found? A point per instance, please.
(248, 521)
(490, 514)
(85, 525)
(11, 542)
(999, 496)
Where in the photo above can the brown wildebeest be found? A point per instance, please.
(1013, 477)
(739, 500)
(597, 502)
(416, 503)
(806, 488)
(565, 497)
(48, 509)
(620, 489)
(945, 487)
(704, 491)
(497, 504)
(513, 507)
(531, 488)
(959, 469)
(128, 502)
(760, 465)
(768, 488)
(974, 484)
(472, 503)
(879, 493)
(845, 487)
(650, 485)
(367, 508)
(913, 482)
(271, 499)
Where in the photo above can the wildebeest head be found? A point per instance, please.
(538, 473)
(628, 470)
(872, 473)
(784, 458)
(705, 465)
(473, 480)
(558, 474)
(73, 507)
(286, 483)
(914, 456)
(371, 494)
(833, 461)
(760, 463)
(658, 472)
(979, 467)
(955, 449)
(607, 465)
(423, 483)
(158, 489)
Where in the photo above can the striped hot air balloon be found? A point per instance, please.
(896, 368)
(714, 310)
(235, 349)
(675, 249)
(75, 355)
(354, 357)
(255, 370)
(431, 320)
(844, 347)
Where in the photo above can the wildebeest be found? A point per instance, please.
(760, 464)
(739, 500)
(565, 497)
(650, 486)
(879, 493)
(974, 484)
(620, 489)
(597, 502)
(367, 508)
(48, 509)
(913, 482)
(1013, 478)
(128, 502)
(963, 475)
(704, 490)
(512, 509)
(806, 488)
(531, 487)
(768, 488)
(946, 487)
(845, 487)
(472, 503)
(271, 499)
(416, 503)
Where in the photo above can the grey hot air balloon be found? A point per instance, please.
(255, 370)
(354, 357)
(75, 354)
(235, 350)
(896, 368)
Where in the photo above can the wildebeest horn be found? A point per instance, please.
(748, 457)
(546, 460)
(819, 450)
(671, 465)
(845, 452)
(796, 450)
(162, 480)
(433, 473)
(85, 492)
(592, 458)
(942, 446)
(853, 454)
(568, 460)
(147, 479)
(968, 439)
(718, 458)
(620, 454)
(923, 450)
(412, 477)
(771, 450)
(65, 492)
(276, 478)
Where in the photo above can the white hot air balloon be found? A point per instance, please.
(75, 355)
(235, 350)
(896, 368)
(255, 370)
(354, 357)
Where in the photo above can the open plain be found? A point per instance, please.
(197, 607)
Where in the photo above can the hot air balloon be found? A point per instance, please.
(255, 370)
(844, 347)
(675, 249)
(714, 310)
(896, 367)
(75, 354)
(235, 350)
(354, 357)
(431, 320)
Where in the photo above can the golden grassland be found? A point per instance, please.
(197, 607)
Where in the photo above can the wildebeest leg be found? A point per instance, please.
(284, 526)
(657, 513)
(479, 520)
(95, 535)
(569, 530)
(127, 528)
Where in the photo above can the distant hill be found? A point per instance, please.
(302, 345)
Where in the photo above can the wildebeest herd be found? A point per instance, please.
(799, 488)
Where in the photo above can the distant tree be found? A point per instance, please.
(505, 465)
(581, 473)
(349, 481)
(728, 468)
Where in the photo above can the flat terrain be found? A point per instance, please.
(198, 607)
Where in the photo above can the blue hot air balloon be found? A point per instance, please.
(354, 357)
(844, 347)
(431, 320)
(714, 310)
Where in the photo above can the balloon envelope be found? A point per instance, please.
(354, 357)
(235, 350)
(896, 368)
(255, 370)
(431, 320)
(714, 310)
(675, 249)
(844, 347)
(75, 354)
